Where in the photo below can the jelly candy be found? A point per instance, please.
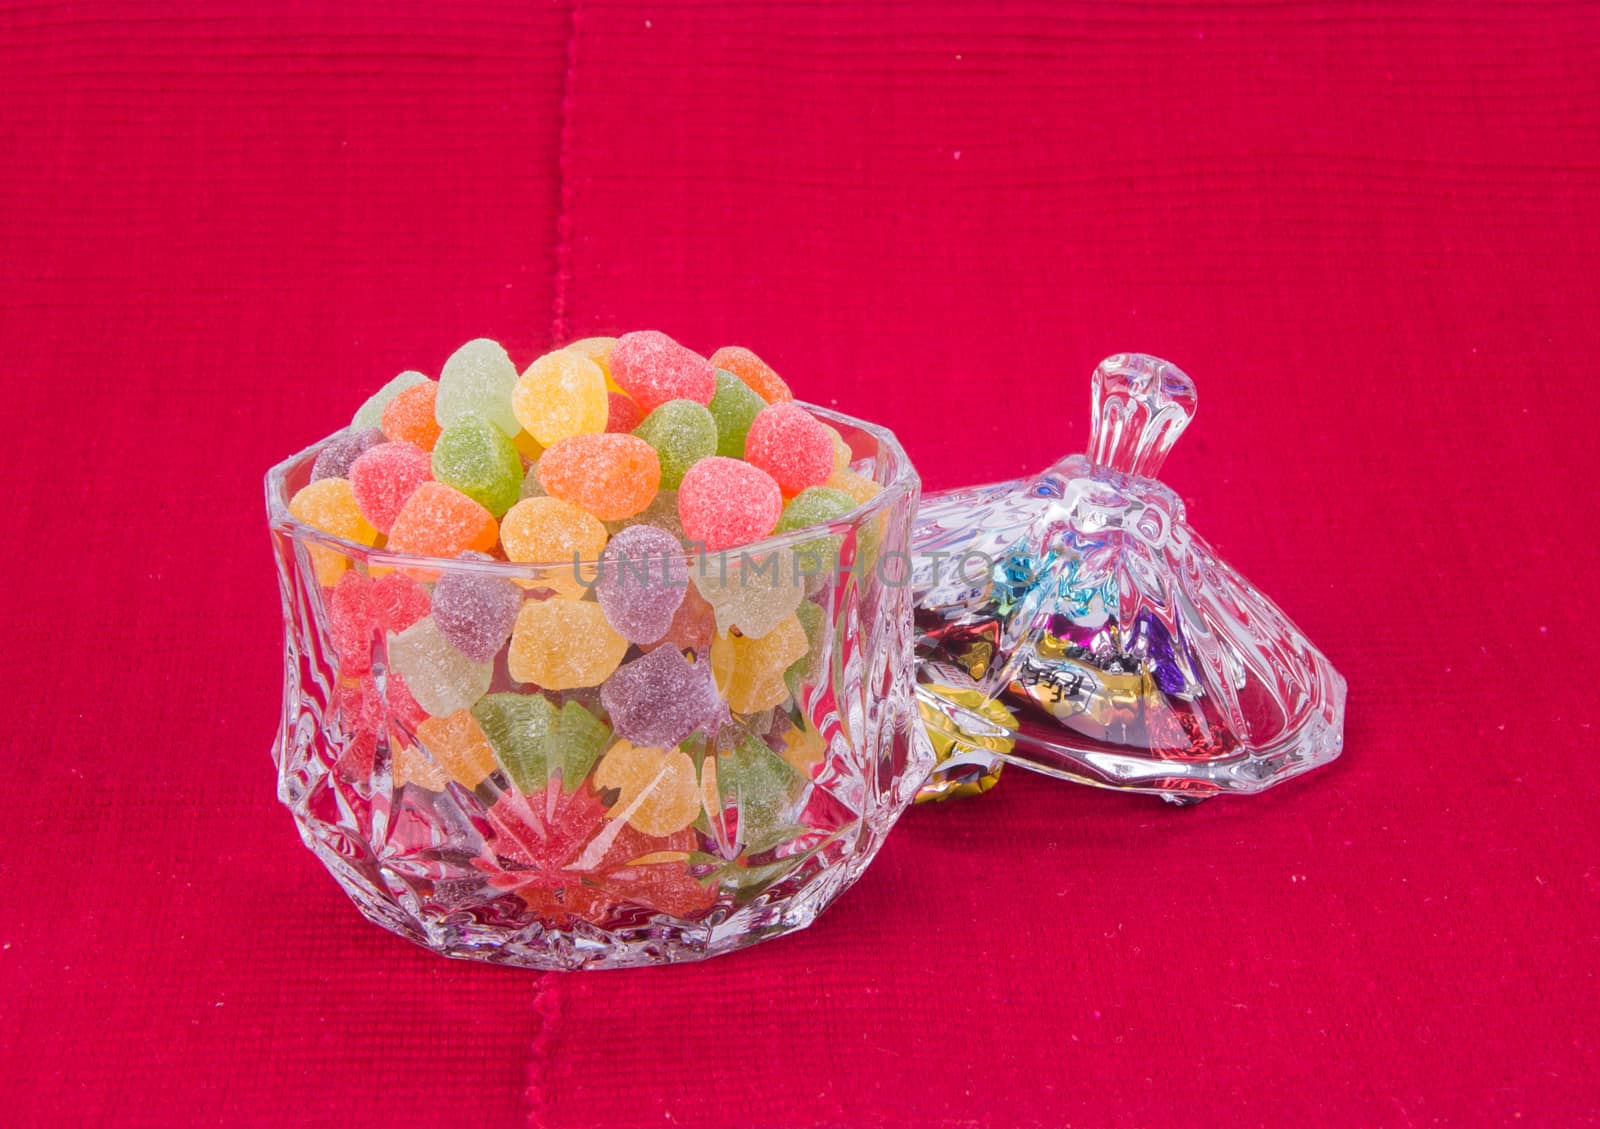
(385, 476)
(409, 416)
(658, 789)
(527, 446)
(661, 698)
(808, 667)
(535, 740)
(598, 350)
(662, 512)
(725, 503)
(653, 368)
(475, 611)
(790, 444)
(846, 481)
(815, 505)
(611, 476)
(370, 414)
(734, 407)
(842, 454)
(754, 593)
(440, 678)
(683, 433)
(749, 672)
(459, 746)
(530, 481)
(562, 644)
(478, 380)
(403, 708)
(561, 395)
(642, 581)
(334, 460)
(352, 623)
(753, 371)
(622, 414)
(548, 531)
(440, 521)
(409, 766)
(693, 624)
(330, 505)
(479, 460)
(399, 601)
(761, 785)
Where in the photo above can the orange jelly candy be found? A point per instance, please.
(753, 371)
(409, 416)
(458, 743)
(612, 476)
(440, 521)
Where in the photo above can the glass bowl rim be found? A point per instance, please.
(904, 484)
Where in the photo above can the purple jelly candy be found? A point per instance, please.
(643, 579)
(475, 612)
(661, 698)
(334, 460)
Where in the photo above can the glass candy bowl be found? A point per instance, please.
(489, 817)
(1072, 623)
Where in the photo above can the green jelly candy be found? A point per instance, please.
(764, 786)
(534, 740)
(816, 505)
(518, 726)
(683, 433)
(370, 414)
(734, 406)
(478, 379)
(477, 459)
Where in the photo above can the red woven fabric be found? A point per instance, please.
(1369, 232)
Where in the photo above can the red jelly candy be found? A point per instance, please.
(653, 368)
(792, 445)
(383, 477)
(622, 414)
(724, 503)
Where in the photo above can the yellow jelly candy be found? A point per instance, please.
(803, 748)
(329, 504)
(658, 790)
(863, 490)
(598, 350)
(527, 446)
(749, 672)
(561, 644)
(561, 395)
(546, 530)
(459, 746)
(841, 450)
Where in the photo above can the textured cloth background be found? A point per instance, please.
(1370, 233)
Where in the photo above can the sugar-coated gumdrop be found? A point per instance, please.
(352, 622)
(814, 505)
(562, 644)
(409, 766)
(661, 698)
(561, 394)
(598, 350)
(548, 531)
(749, 672)
(659, 791)
(753, 371)
(808, 667)
(477, 380)
(842, 454)
(790, 444)
(693, 625)
(475, 610)
(370, 414)
(803, 749)
(440, 677)
(622, 414)
(479, 460)
(611, 476)
(440, 521)
(734, 408)
(409, 416)
(662, 512)
(653, 368)
(334, 460)
(724, 503)
(761, 785)
(330, 505)
(683, 433)
(859, 487)
(536, 741)
(641, 582)
(399, 601)
(755, 592)
(459, 746)
(385, 476)
(403, 707)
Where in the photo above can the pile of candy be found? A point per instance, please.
(621, 720)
